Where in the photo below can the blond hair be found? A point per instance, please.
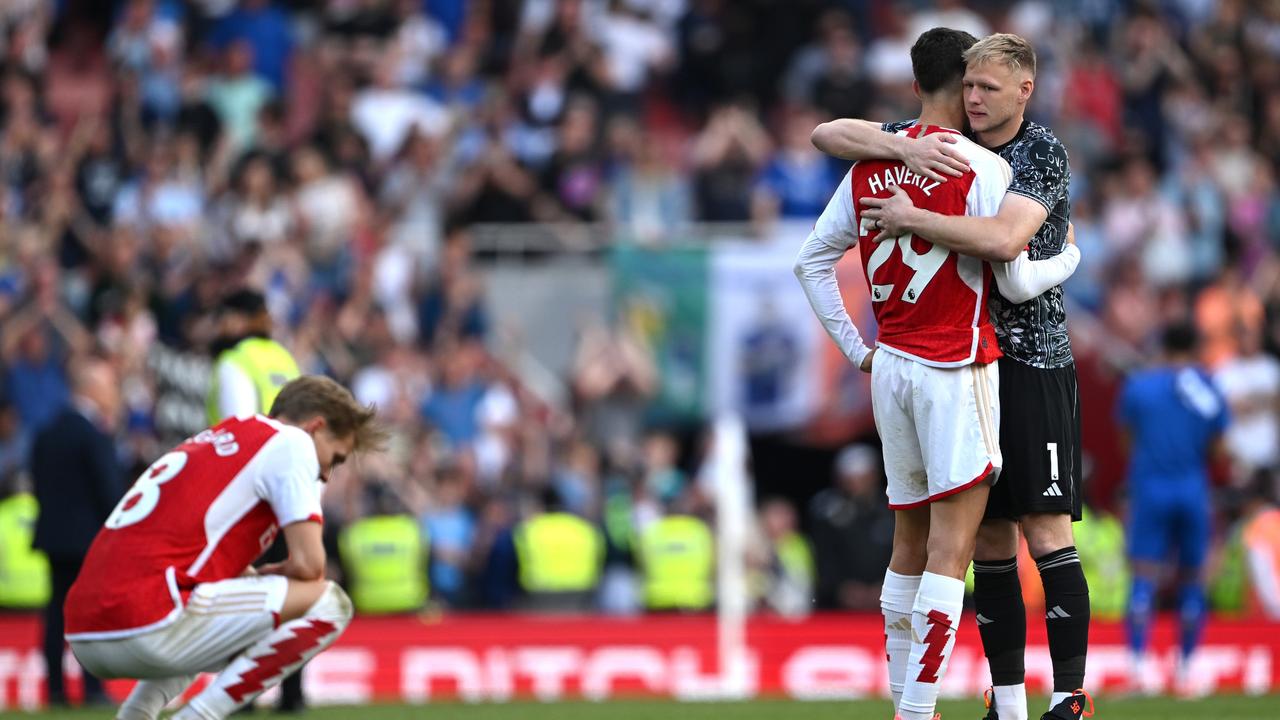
(310, 395)
(1011, 50)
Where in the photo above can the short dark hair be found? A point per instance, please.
(1180, 338)
(937, 58)
(244, 301)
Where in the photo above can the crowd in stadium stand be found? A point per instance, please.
(156, 155)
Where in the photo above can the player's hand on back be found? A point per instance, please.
(867, 361)
(891, 215)
(1071, 233)
(935, 156)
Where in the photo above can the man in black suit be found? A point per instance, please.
(77, 482)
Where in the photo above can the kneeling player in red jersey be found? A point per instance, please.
(167, 590)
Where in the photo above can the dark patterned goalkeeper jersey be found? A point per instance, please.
(1035, 332)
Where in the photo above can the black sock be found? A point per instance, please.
(1002, 619)
(1066, 602)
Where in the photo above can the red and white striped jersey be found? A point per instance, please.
(930, 303)
(201, 513)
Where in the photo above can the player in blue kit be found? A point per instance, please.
(1175, 418)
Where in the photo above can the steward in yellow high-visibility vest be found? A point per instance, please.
(384, 557)
(1100, 543)
(677, 559)
(24, 571)
(560, 556)
(249, 367)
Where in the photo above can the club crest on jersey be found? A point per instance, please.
(900, 175)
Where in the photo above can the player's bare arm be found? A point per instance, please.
(934, 156)
(999, 238)
(306, 560)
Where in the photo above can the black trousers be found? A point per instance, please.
(63, 572)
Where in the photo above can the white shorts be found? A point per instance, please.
(219, 621)
(940, 427)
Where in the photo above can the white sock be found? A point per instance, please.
(1011, 701)
(897, 596)
(1056, 698)
(149, 697)
(273, 658)
(934, 620)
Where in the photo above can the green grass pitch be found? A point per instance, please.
(1216, 708)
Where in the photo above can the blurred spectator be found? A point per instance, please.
(625, 511)
(1195, 190)
(1142, 223)
(1099, 538)
(889, 57)
(560, 556)
(796, 181)
(449, 526)
(36, 342)
(1224, 310)
(648, 196)
(494, 556)
(259, 214)
(416, 190)
(662, 479)
(453, 405)
(677, 560)
(237, 94)
(249, 367)
(633, 48)
(726, 157)
(24, 570)
(385, 554)
(1088, 284)
(1250, 382)
(1150, 62)
(948, 14)
(829, 74)
(1260, 523)
(711, 66)
(387, 113)
(785, 571)
(495, 187)
(577, 482)
(613, 378)
(574, 176)
(329, 208)
(264, 28)
(15, 446)
(418, 41)
(77, 483)
(1091, 103)
(852, 531)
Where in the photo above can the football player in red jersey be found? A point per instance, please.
(935, 386)
(1039, 493)
(167, 590)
